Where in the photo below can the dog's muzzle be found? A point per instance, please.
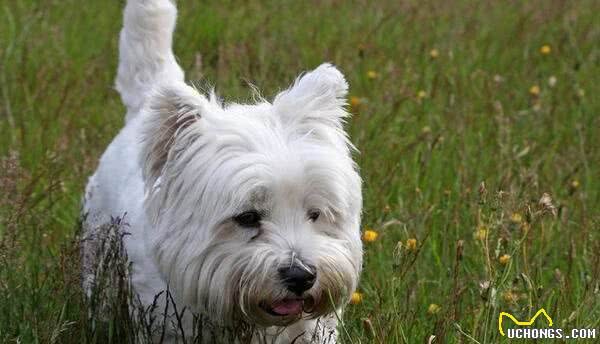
(298, 278)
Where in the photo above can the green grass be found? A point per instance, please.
(423, 160)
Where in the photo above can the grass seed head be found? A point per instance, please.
(368, 326)
(510, 297)
(546, 203)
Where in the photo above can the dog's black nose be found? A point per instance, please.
(298, 279)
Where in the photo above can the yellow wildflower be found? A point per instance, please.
(516, 218)
(355, 101)
(370, 235)
(356, 298)
(433, 309)
(575, 184)
(545, 49)
(534, 90)
(421, 94)
(411, 244)
(481, 233)
(434, 53)
(372, 74)
(504, 259)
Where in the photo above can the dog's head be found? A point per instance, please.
(255, 208)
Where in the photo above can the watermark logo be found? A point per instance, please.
(523, 323)
(541, 333)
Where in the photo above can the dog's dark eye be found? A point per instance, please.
(248, 219)
(314, 214)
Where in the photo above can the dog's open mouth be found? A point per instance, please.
(286, 307)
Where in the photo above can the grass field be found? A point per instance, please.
(465, 113)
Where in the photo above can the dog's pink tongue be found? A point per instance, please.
(288, 307)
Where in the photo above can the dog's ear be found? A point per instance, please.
(172, 123)
(316, 98)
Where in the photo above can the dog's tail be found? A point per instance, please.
(145, 54)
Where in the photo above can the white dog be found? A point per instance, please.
(247, 213)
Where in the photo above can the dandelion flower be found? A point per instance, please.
(434, 53)
(370, 235)
(516, 218)
(545, 49)
(411, 244)
(504, 259)
(433, 309)
(421, 94)
(372, 74)
(356, 298)
(534, 90)
(575, 184)
(355, 101)
(481, 233)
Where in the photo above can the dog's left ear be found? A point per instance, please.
(316, 98)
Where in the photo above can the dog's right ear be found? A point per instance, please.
(172, 123)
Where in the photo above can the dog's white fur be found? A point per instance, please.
(185, 164)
